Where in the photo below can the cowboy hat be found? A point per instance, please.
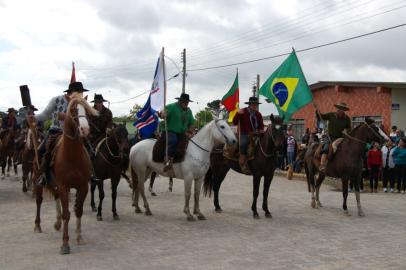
(11, 110)
(184, 97)
(99, 98)
(76, 87)
(253, 100)
(32, 107)
(342, 106)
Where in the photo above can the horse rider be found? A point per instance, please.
(99, 125)
(56, 111)
(180, 122)
(337, 123)
(21, 140)
(9, 122)
(250, 122)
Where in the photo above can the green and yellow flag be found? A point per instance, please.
(287, 87)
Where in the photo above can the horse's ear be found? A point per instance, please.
(86, 97)
(272, 118)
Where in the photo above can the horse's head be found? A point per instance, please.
(120, 134)
(275, 130)
(223, 132)
(77, 110)
(374, 133)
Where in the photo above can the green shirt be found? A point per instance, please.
(336, 124)
(178, 120)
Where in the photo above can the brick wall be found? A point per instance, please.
(371, 101)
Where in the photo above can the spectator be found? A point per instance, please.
(374, 161)
(392, 134)
(306, 136)
(388, 167)
(399, 157)
(398, 136)
(291, 146)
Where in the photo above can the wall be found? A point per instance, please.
(399, 116)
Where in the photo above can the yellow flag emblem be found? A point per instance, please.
(283, 89)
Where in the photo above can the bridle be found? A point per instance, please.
(273, 140)
(221, 132)
(76, 125)
(359, 140)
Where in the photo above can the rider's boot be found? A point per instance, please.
(243, 164)
(323, 163)
(168, 164)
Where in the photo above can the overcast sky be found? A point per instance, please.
(115, 45)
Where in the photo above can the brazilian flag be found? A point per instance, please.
(287, 88)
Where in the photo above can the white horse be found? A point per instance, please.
(194, 167)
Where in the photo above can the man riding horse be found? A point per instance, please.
(9, 122)
(338, 122)
(100, 125)
(250, 122)
(56, 111)
(180, 121)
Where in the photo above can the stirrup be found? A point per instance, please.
(168, 165)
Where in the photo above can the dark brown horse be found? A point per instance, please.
(345, 164)
(263, 164)
(71, 169)
(29, 157)
(109, 162)
(7, 152)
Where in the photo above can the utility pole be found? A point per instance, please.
(183, 56)
(258, 89)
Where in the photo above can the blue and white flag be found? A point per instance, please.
(147, 121)
(158, 86)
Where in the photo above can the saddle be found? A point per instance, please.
(158, 152)
(331, 151)
(232, 152)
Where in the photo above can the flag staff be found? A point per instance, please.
(165, 119)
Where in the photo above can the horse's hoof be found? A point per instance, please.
(37, 229)
(313, 204)
(116, 217)
(94, 209)
(148, 213)
(318, 204)
(218, 210)
(170, 189)
(25, 189)
(256, 216)
(268, 215)
(190, 218)
(138, 211)
(346, 213)
(361, 213)
(99, 218)
(65, 250)
(201, 217)
(79, 241)
(153, 193)
(57, 225)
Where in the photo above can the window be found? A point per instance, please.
(298, 128)
(357, 120)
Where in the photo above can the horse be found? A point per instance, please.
(193, 167)
(345, 164)
(71, 169)
(263, 164)
(108, 163)
(7, 152)
(29, 157)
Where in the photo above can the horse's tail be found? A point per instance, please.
(208, 183)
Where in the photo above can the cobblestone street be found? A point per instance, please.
(297, 237)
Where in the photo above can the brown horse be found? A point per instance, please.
(7, 152)
(71, 169)
(263, 164)
(29, 157)
(345, 164)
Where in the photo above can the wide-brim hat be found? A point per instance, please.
(98, 98)
(342, 106)
(32, 107)
(184, 97)
(11, 110)
(253, 100)
(76, 87)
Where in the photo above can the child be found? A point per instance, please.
(374, 164)
(399, 157)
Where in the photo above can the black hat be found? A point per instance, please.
(76, 87)
(11, 110)
(253, 100)
(98, 98)
(32, 107)
(342, 106)
(184, 97)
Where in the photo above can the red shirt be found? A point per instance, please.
(374, 157)
(247, 126)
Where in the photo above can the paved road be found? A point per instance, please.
(297, 237)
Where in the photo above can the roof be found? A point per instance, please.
(391, 85)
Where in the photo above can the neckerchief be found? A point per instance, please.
(253, 119)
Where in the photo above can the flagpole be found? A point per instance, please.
(165, 119)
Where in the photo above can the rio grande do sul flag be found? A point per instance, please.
(287, 88)
(231, 100)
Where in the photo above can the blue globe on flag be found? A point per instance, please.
(281, 92)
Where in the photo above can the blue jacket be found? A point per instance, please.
(399, 156)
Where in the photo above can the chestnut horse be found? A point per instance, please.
(7, 152)
(71, 169)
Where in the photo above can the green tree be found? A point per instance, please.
(133, 112)
(202, 118)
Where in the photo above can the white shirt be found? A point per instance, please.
(384, 151)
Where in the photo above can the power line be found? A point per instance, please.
(128, 99)
(302, 50)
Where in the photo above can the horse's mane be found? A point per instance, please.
(75, 99)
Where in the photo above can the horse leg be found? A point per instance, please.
(318, 185)
(15, 166)
(198, 187)
(38, 200)
(356, 182)
(267, 185)
(312, 188)
(256, 181)
(8, 166)
(3, 167)
(188, 191)
(25, 176)
(92, 203)
(170, 184)
(114, 184)
(64, 196)
(151, 184)
(58, 222)
(218, 179)
(345, 195)
(80, 198)
(141, 191)
(100, 186)
(135, 193)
